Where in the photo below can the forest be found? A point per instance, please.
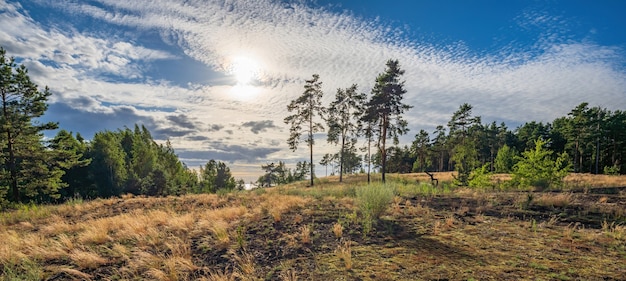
(586, 140)
(39, 170)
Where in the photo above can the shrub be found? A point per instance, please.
(611, 170)
(481, 177)
(374, 199)
(536, 167)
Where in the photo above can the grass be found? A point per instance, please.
(403, 230)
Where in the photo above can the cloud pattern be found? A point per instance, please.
(103, 78)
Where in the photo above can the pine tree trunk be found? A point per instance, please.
(383, 151)
(12, 167)
(15, 192)
(311, 145)
(343, 143)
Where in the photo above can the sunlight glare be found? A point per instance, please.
(245, 70)
(244, 92)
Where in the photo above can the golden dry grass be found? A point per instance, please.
(591, 180)
(317, 232)
(87, 259)
(561, 199)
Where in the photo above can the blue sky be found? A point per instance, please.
(215, 77)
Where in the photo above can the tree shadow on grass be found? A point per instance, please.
(397, 234)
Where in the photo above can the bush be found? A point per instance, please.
(536, 168)
(611, 170)
(374, 199)
(481, 178)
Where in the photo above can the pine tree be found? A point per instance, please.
(70, 155)
(385, 108)
(27, 169)
(108, 167)
(537, 168)
(343, 128)
(464, 151)
(306, 108)
(420, 149)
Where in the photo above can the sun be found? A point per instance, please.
(244, 69)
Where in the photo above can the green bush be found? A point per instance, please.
(374, 199)
(611, 170)
(536, 168)
(481, 178)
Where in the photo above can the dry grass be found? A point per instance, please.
(305, 234)
(219, 228)
(338, 230)
(586, 180)
(246, 265)
(561, 199)
(344, 253)
(85, 259)
(314, 233)
(617, 232)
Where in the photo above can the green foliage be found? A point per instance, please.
(423, 189)
(385, 108)
(537, 168)
(373, 199)
(420, 150)
(481, 177)
(28, 170)
(71, 157)
(216, 176)
(399, 159)
(23, 269)
(465, 161)
(343, 129)
(611, 170)
(306, 108)
(462, 127)
(108, 165)
(505, 159)
(130, 161)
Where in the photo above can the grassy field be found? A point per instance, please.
(405, 230)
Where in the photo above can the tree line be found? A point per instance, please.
(34, 169)
(588, 139)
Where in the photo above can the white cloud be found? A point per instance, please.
(290, 42)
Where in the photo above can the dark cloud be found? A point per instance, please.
(166, 133)
(226, 153)
(259, 126)
(182, 120)
(215, 128)
(197, 138)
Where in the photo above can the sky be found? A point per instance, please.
(215, 76)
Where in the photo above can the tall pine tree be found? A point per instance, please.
(343, 128)
(306, 108)
(26, 168)
(386, 108)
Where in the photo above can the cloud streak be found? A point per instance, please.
(102, 72)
